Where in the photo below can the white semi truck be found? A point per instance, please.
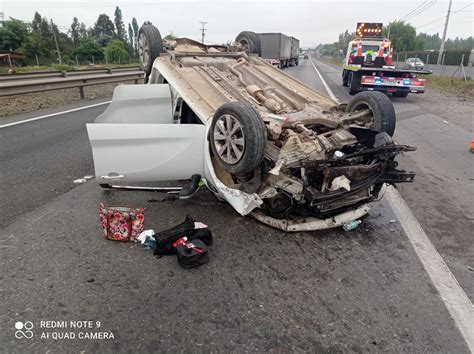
(278, 49)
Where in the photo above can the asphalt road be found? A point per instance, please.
(358, 291)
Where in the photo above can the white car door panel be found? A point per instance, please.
(147, 152)
(139, 104)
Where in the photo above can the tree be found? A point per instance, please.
(135, 33)
(45, 29)
(87, 49)
(119, 26)
(12, 34)
(116, 51)
(170, 36)
(104, 30)
(403, 37)
(131, 39)
(35, 24)
(431, 41)
(74, 31)
(35, 45)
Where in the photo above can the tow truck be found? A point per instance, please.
(368, 65)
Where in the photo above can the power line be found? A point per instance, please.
(415, 9)
(462, 8)
(420, 11)
(429, 23)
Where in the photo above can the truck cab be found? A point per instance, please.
(368, 65)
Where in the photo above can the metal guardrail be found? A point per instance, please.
(59, 73)
(79, 80)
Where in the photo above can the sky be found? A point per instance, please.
(313, 22)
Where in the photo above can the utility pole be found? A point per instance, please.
(203, 30)
(441, 49)
(56, 42)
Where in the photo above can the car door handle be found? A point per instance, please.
(114, 176)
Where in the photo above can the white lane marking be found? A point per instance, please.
(53, 114)
(326, 86)
(455, 299)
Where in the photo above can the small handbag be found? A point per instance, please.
(121, 223)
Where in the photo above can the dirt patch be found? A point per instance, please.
(34, 101)
(455, 109)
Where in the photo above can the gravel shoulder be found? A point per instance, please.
(454, 109)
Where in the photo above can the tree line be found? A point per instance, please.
(404, 39)
(108, 40)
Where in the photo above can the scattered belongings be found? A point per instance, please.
(192, 254)
(189, 240)
(121, 223)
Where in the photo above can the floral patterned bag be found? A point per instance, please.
(121, 223)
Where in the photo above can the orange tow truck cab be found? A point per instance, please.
(368, 65)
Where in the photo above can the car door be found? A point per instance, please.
(137, 140)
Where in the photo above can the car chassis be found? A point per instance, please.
(268, 144)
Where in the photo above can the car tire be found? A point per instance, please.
(380, 106)
(238, 137)
(250, 41)
(150, 46)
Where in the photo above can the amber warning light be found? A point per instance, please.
(365, 29)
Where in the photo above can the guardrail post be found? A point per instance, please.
(81, 92)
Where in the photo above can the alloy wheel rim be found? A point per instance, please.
(143, 49)
(229, 139)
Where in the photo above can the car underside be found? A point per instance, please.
(276, 147)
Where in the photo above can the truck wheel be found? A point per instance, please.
(353, 82)
(238, 137)
(149, 47)
(250, 41)
(384, 118)
(345, 81)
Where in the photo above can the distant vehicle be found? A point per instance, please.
(278, 49)
(368, 65)
(306, 56)
(415, 63)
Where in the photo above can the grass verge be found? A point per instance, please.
(451, 85)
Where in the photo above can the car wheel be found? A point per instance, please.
(238, 137)
(384, 118)
(150, 46)
(250, 42)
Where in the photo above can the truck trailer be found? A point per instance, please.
(295, 51)
(278, 49)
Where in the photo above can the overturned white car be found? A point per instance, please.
(265, 142)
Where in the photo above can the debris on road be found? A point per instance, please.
(79, 181)
(351, 225)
